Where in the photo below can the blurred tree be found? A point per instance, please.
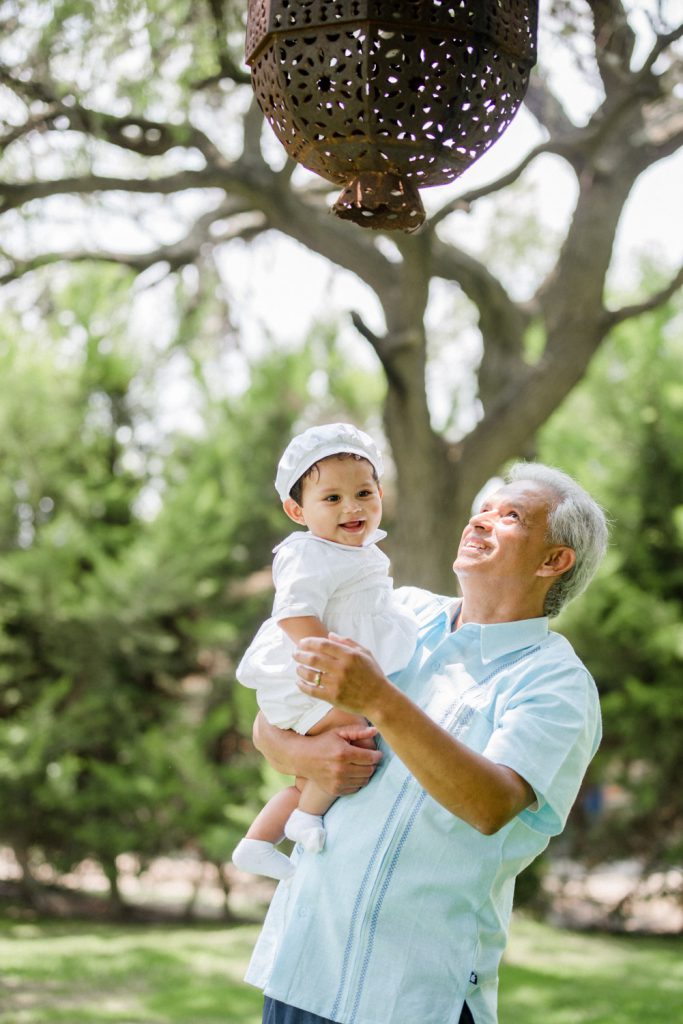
(121, 728)
(142, 111)
(629, 626)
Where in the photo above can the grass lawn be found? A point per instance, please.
(559, 977)
(87, 973)
(83, 973)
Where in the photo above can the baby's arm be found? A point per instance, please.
(304, 583)
(301, 626)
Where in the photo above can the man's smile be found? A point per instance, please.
(476, 544)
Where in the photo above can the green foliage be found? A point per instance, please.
(621, 434)
(134, 567)
(147, 51)
(121, 726)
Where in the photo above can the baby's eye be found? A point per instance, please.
(364, 494)
(332, 497)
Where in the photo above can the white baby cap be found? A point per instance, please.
(318, 443)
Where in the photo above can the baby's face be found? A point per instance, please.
(341, 501)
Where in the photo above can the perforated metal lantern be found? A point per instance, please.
(385, 98)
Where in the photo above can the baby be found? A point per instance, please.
(331, 578)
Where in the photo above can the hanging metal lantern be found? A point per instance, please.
(385, 98)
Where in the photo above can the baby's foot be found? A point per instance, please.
(261, 858)
(306, 829)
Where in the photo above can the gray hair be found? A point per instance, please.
(576, 521)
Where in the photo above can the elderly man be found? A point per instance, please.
(483, 742)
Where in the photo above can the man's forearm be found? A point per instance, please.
(484, 794)
(281, 749)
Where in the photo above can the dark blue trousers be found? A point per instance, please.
(275, 1012)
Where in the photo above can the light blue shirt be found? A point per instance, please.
(405, 913)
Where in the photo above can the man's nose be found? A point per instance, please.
(482, 520)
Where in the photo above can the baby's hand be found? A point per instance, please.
(359, 736)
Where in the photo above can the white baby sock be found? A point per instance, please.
(261, 858)
(306, 829)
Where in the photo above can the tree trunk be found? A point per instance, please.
(422, 550)
(32, 889)
(119, 906)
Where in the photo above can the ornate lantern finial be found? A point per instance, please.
(385, 98)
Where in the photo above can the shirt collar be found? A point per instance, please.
(498, 638)
(300, 535)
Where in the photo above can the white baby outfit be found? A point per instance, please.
(349, 589)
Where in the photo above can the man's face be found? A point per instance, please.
(506, 539)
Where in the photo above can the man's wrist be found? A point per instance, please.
(386, 706)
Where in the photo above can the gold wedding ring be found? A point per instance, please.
(316, 680)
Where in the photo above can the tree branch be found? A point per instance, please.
(475, 279)
(35, 123)
(136, 134)
(670, 144)
(525, 403)
(227, 70)
(140, 135)
(315, 227)
(464, 201)
(502, 321)
(618, 316)
(252, 126)
(662, 43)
(364, 330)
(176, 254)
(386, 346)
(546, 108)
(230, 178)
(614, 42)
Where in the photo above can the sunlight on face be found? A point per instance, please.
(340, 502)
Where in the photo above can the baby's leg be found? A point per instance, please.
(269, 823)
(256, 853)
(305, 824)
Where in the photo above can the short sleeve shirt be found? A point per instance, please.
(405, 913)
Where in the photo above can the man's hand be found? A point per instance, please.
(343, 760)
(340, 761)
(343, 672)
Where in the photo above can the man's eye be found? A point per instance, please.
(512, 514)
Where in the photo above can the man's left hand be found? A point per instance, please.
(341, 671)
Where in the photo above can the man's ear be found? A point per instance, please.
(294, 511)
(559, 561)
